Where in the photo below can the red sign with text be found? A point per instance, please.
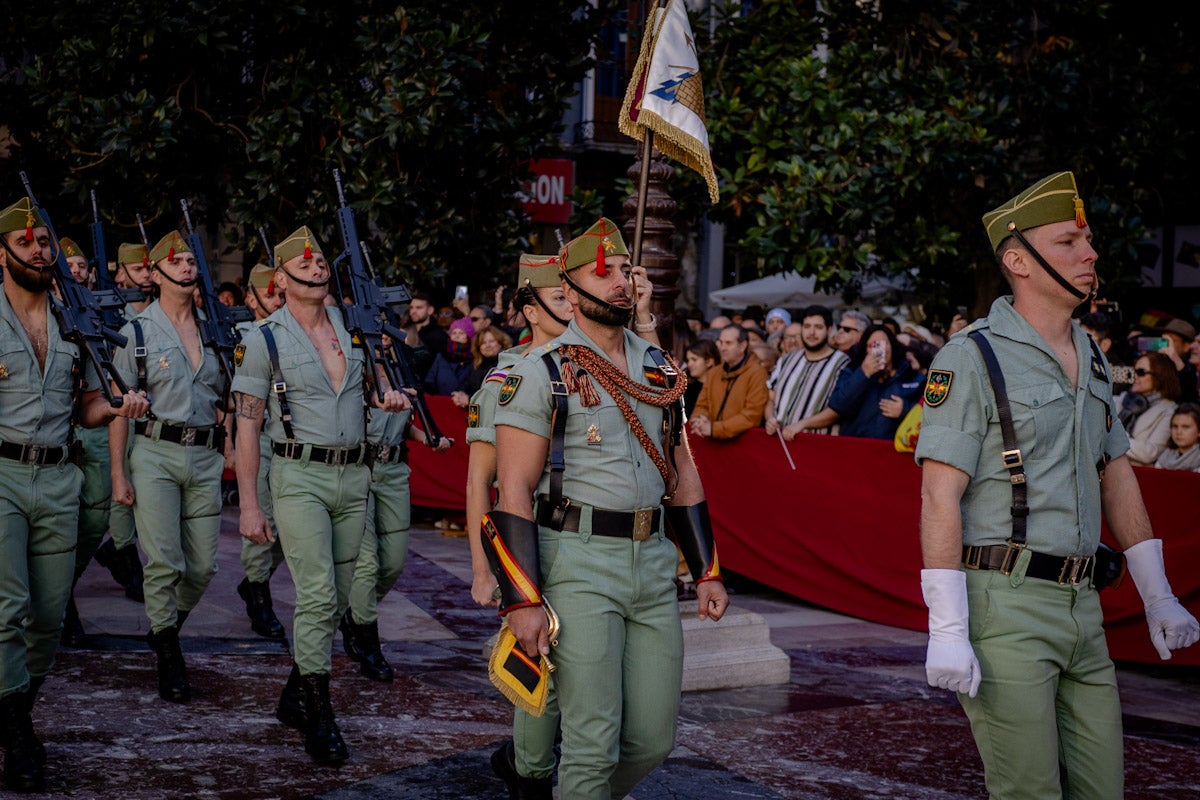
(547, 197)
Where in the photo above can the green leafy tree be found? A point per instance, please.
(865, 138)
(429, 110)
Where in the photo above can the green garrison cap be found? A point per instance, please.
(20, 216)
(262, 278)
(538, 272)
(169, 246)
(1052, 199)
(70, 249)
(595, 244)
(299, 242)
(132, 253)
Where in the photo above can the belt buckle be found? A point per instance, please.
(32, 454)
(1011, 554)
(333, 457)
(1074, 569)
(188, 438)
(289, 449)
(383, 453)
(642, 519)
(974, 557)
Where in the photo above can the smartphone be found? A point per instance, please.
(460, 292)
(1146, 344)
(962, 312)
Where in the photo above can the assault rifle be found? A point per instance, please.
(369, 316)
(110, 299)
(78, 315)
(218, 329)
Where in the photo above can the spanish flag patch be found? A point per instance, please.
(655, 378)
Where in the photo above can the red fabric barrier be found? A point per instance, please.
(842, 530)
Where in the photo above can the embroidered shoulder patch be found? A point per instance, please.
(239, 352)
(509, 389)
(655, 378)
(473, 415)
(937, 389)
(1098, 369)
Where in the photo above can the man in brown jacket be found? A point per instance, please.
(734, 398)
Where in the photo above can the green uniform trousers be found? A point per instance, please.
(39, 518)
(384, 549)
(1047, 718)
(320, 510)
(95, 498)
(178, 514)
(534, 737)
(259, 561)
(619, 657)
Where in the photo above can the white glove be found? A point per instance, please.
(950, 662)
(1171, 626)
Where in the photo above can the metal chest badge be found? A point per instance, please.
(163, 363)
(938, 387)
(593, 434)
(3, 371)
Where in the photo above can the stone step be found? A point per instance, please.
(734, 652)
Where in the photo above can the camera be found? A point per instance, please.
(1146, 344)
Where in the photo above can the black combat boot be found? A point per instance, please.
(350, 636)
(362, 645)
(260, 609)
(39, 750)
(323, 741)
(504, 764)
(22, 770)
(125, 567)
(72, 628)
(173, 683)
(292, 710)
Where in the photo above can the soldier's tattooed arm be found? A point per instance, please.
(249, 407)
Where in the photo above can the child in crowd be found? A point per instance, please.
(1184, 452)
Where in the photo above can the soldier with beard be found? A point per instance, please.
(589, 450)
(39, 486)
(175, 462)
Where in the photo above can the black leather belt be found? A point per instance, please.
(637, 525)
(1060, 569)
(332, 456)
(212, 438)
(388, 453)
(33, 453)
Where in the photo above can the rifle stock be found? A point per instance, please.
(369, 317)
(78, 314)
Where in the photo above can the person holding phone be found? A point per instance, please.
(1145, 410)
(877, 388)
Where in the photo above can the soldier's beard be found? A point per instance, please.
(30, 279)
(605, 313)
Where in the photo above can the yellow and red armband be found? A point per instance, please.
(691, 530)
(510, 543)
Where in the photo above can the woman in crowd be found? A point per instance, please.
(1184, 451)
(702, 356)
(1145, 410)
(877, 389)
(485, 353)
(451, 368)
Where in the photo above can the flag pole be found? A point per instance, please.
(639, 220)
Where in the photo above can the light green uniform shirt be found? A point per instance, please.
(481, 413)
(387, 427)
(36, 406)
(1063, 433)
(606, 466)
(179, 394)
(321, 415)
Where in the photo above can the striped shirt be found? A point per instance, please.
(802, 387)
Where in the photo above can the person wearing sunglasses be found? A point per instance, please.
(850, 329)
(1145, 410)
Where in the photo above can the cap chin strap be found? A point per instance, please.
(538, 299)
(184, 284)
(614, 309)
(1012, 229)
(302, 282)
(49, 264)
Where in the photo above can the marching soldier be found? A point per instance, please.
(302, 364)
(576, 428)
(175, 461)
(39, 486)
(259, 561)
(118, 553)
(1021, 453)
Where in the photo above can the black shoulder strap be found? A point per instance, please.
(278, 385)
(558, 429)
(139, 354)
(1011, 456)
(673, 413)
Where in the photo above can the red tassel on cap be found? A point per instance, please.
(146, 259)
(1080, 219)
(307, 249)
(601, 268)
(271, 287)
(29, 227)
